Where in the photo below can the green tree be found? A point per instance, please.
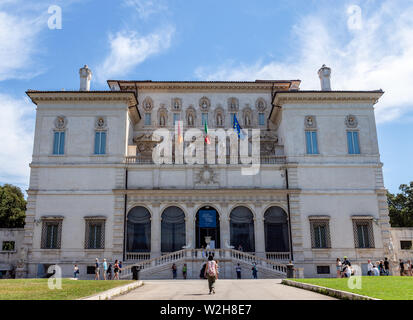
(401, 206)
(12, 207)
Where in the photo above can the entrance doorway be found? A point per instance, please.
(207, 225)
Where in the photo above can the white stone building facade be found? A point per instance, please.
(95, 191)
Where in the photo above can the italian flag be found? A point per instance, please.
(206, 133)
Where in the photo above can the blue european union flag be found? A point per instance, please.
(238, 128)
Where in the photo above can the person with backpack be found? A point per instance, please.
(211, 272)
(254, 271)
(97, 271)
(116, 270)
(174, 271)
(109, 272)
(75, 271)
(386, 267)
(105, 269)
(238, 270)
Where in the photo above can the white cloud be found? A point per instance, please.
(129, 49)
(19, 31)
(16, 139)
(377, 55)
(146, 8)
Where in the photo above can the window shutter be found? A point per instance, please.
(56, 143)
(62, 143)
(350, 143)
(308, 141)
(356, 142)
(103, 143)
(314, 141)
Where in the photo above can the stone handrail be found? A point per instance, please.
(203, 254)
(260, 262)
(278, 256)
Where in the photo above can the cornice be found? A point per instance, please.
(310, 97)
(205, 85)
(72, 96)
(203, 192)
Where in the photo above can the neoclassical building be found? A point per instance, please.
(96, 189)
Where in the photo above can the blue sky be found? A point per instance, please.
(368, 44)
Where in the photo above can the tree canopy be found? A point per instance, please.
(12, 207)
(401, 206)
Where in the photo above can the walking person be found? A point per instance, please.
(238, 270)
(116, 270)
(381, 267)
(97, 271)
(174, 271)
(401, 267)
(369, 268)
(184, 270)
(211, 272)
(386, 267)
(338, 267)
(408, 268)
(105, 269)
(109, 272)
(75, 271)
(254, 271)
(202, 273)
(120, 267)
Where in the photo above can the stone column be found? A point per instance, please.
(224, 227)
(259, 236)
(190, 229)
(155, 232)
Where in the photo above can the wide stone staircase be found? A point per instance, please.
(228, 259)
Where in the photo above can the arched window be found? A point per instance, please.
(138, 230)
(242, 229)
(276, 230)
(173, 229)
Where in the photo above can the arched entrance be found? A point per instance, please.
(138, 230)
(207, 225)
(173, 229)
(242, 229)
(276, 230)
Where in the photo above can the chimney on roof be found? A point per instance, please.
(324, 75)
(85, 76)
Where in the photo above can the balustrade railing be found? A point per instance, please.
(274, 159)
(278, 256)
(137, 256)
(202, 254)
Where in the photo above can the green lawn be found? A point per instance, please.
(37, 289)
(386, 288)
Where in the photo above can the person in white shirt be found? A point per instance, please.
(369, 268)
(376, 271)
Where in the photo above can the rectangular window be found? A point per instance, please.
(176, 117)
(148, 119)
(323, 269)
(95, 234)
(405, 245)
(320, 234)
(100, 142)
(353, 142)
(59, 143)
(204, 118)
(363, 234)
(261, 119)
(311, 142)
(51, 234)
(8, 246)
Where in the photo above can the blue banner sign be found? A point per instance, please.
(207, 219)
